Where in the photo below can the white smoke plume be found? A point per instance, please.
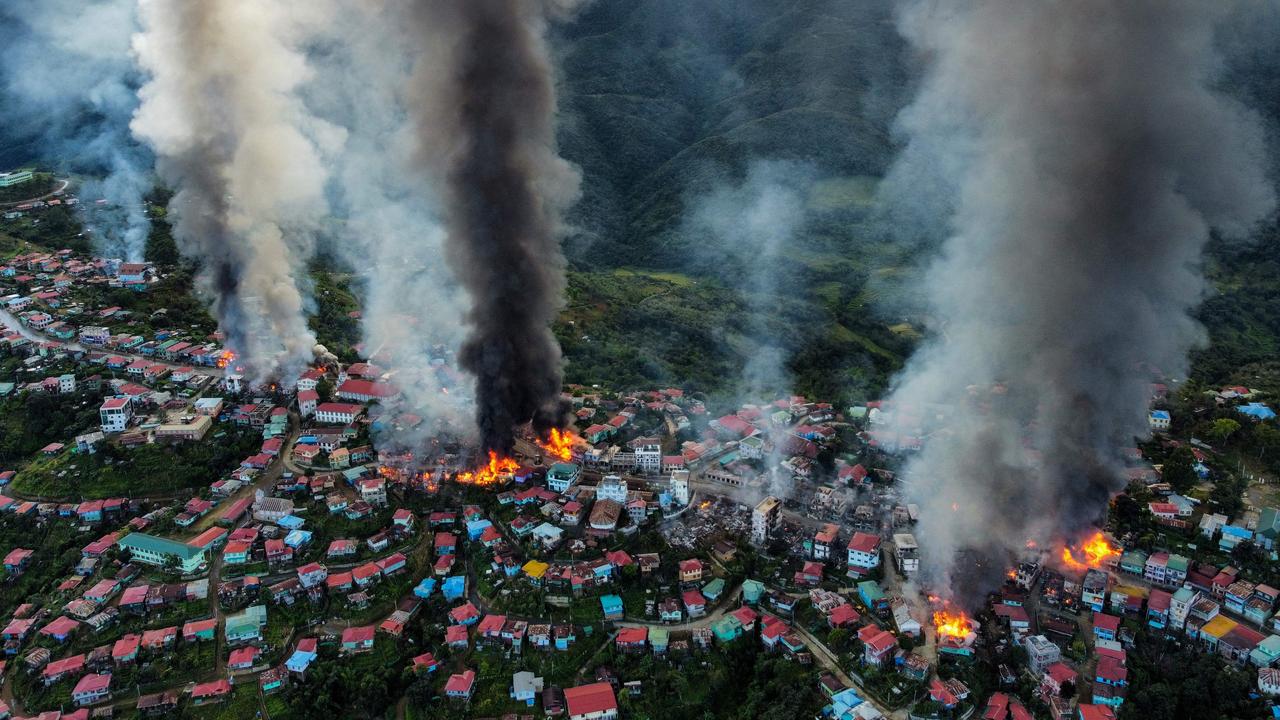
(70, 83)
(747, 228)
(413, 310)
(1090, 157)
(245, 158)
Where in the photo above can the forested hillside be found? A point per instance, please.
(664, 103)
(663, 100)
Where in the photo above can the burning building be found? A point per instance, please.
(955, 632)
(485, 125)
(1080, 177)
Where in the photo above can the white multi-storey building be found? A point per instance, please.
(95, 335)
(562, 476)
(907, 553)
(307, 400)
(649, 458)
(338, 413)
(863, 552)
(764, 519)
(1041, 653)
(680, 487)
(614, 488)
(114, 414)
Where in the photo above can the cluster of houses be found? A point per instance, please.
(108, 602)
(46, 305)
(1215, 608)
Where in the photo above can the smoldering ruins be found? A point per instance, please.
(1091, 157)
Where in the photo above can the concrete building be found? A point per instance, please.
(649, 457)
(680, 487)
(17, 177)
(307, 400)
(192, 431)
(95, 335)
(863, 553)
(271, 509)
(1041, 653)
(338, 413)
(562, 476)
(764, 519)
(115, 413)
(906, 553)
(162, 552)
(612, 487)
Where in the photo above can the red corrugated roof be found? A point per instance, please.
(588, 699)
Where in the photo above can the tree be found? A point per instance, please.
(1226, 496)
(1266, 438)
(1223, 429)
(837, 639)
(1248, 554)
(160, 248)
(1179, 470)
(1126, 513)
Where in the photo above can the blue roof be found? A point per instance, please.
(299, 660)
(425, 587)
(1258, 410)
(843, 703)
(291, 522)
(297, 538)
(1160, 414)
(454, 587)
(610, 601)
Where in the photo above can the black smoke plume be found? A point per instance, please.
(485, 107)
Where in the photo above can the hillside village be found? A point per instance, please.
(680, 533)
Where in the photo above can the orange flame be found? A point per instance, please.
(952, 624)
(497, 471)
(1012, 574)
(1094, 552)
(559, 444)
(225, 358)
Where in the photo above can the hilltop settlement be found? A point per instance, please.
(179, 543)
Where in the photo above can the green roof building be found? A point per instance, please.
(713, 590)
(659, 637)
(1134, 562)
(246, 626)
(161, 552)
(727, 628)
(562, 475)
(1268, 527)
(752, 591)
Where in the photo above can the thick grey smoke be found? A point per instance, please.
(412, 321)
(485, 107)
(236, 144)
(70, 84)
(746, 229)
(1090, 157)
